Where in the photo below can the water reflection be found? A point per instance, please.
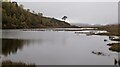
(11, 46)
(117, 61)
(119, 58)
(115, 47)
(51, 48)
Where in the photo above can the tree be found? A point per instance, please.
(28, 10)
(15, 3)
(40, 14)
(33, 12)
(64, 18)
(21, 6)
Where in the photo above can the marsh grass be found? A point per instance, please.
(112, 29)
(114, 47)
(9, 63)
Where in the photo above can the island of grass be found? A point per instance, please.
(113, 29)
(114, 47)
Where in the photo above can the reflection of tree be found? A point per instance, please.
(11, 46)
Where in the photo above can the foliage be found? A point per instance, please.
(64, 18)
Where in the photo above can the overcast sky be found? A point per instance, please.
(78, 12)
(66, 0)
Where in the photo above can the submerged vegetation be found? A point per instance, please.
(14, 16)
(100, 53)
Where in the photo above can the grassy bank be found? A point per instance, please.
(114, 47)
(16, 64)
(112, 29)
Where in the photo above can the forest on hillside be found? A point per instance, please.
(14, 16)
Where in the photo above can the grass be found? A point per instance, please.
(114, 47)
(16, 64)
(112, 29)
(110, 44)
(116, 39)
(103, 34)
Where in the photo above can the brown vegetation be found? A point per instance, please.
(112, 29)
(16, 64)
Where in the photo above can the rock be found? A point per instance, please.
(105, 39)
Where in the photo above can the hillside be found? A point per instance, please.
(14, 16)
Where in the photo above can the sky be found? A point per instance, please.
(66, 0)
(91, 12)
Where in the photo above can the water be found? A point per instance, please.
(55, 48)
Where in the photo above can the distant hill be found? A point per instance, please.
(86, 25)
(80, 24)
(14, 16)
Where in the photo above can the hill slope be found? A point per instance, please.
(14, 16)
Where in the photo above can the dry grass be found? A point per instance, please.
(112, 29)
(114, 47)
(16, 64)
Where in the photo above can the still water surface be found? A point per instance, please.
(55, 48)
